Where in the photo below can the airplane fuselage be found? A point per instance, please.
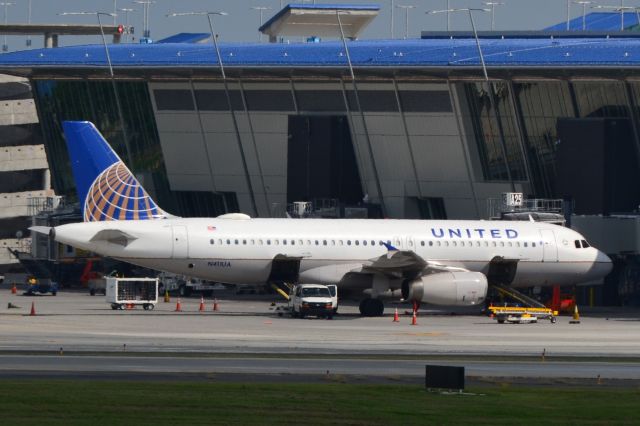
(242, 250)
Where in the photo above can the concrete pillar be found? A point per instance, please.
(116, 38)
(46, 180)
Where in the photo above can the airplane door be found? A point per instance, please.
(549, 247)
(411, 244)
(397, 243)
(180, 242)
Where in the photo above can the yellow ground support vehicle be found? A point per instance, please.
(521, 315)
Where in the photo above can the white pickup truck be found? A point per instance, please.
(312, 299)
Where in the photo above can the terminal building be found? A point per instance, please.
(420, 133)
(24, 172)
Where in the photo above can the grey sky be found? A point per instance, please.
(242, 22)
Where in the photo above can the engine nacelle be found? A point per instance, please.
(447, 288)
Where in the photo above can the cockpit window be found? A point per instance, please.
(585, 244)
(577, 243)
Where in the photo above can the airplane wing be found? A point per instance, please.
(404, 264)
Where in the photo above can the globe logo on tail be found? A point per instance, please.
(117, 195)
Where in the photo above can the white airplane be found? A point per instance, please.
(436, 261)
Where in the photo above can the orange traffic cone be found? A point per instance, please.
(33, 309)
(178, 306)
(414, 320)
(201, 308)
(14, 290)
(576, 315)
(396, 318)
(215, 304)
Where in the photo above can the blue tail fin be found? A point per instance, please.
(107, 190)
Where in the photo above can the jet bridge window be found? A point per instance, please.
(577, 243)
(585, 244)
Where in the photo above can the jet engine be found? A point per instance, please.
(447, 288)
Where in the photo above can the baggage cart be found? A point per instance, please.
(131, 292)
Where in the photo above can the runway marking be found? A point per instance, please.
(425, 334)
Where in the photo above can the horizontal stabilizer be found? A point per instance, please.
(114, 236)
(41, 229)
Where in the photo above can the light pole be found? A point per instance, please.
(584, 12)
(115, 11)
(406, 18)
(126, 20)
(243, 156)
(261, 9)
(28, 42)
(5, 46)
(493, 5)
(125, 135)
(359, 107)
(146, 8)
(392, 16)
(568, 13)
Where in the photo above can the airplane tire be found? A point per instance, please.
(371, 308)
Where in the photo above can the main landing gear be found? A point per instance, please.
(371, 307)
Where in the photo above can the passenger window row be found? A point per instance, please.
(293, 242)
(276, 242)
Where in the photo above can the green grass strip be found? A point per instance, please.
(105, 402)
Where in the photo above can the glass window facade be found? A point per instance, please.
(496, 134)
(216, 100)
(173, 100)
(425, 100)
(60, 100)
(540, 104)
(600, 98)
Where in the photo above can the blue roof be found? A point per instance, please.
(186, 38)
(598, 21)
(330, 6)
(453, 53)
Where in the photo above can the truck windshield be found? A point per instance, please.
(315, 292)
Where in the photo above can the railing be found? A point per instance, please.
(38, 205)
(496, 206)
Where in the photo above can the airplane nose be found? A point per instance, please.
(603, 264)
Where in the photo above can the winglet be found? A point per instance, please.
(389, 246)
